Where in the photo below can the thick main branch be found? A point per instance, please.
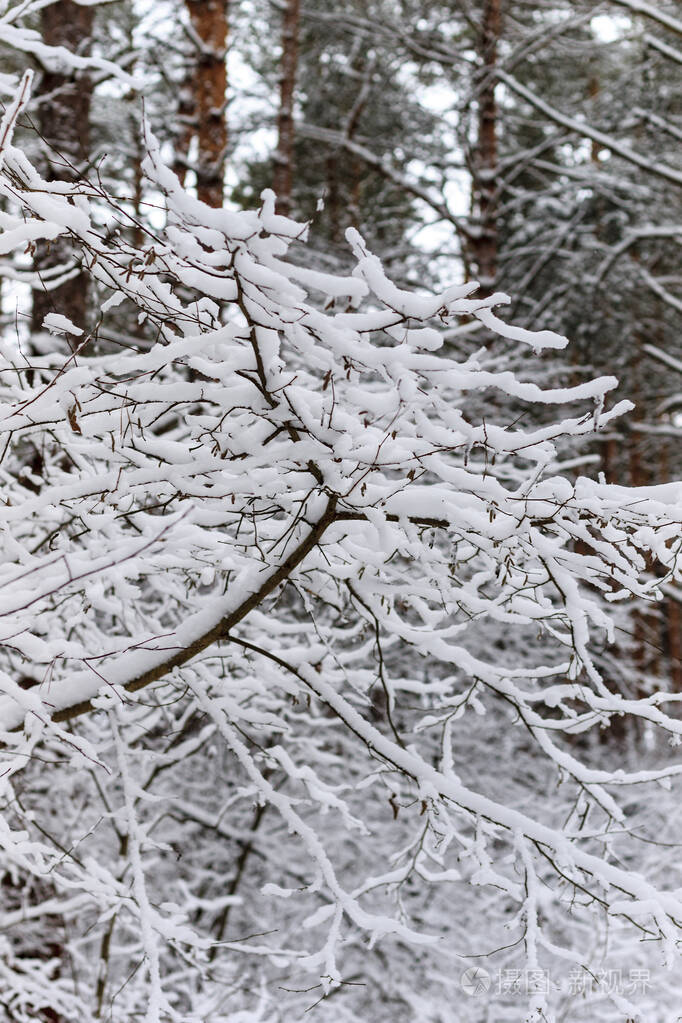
(219, 629)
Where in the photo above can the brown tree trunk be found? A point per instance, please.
(671, 609)
(647, 619)
(332, 203)
(485, 243)
(64, 123)
(637, 478)
(594, 88)
(674, 636)
(209, 21)
(284, 155)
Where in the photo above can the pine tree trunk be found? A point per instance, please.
(674, 636)
(671, 609)
(284, 156)
(485, 244)
(64, 123)
(646, 619)
(209, 20)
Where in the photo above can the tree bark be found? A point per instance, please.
(209, 21)
(484, 169)
(671, 608)
(64, 124)
(674, 636)
(647, 620)
(284, 155)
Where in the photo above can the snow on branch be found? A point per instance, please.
(283, 518)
